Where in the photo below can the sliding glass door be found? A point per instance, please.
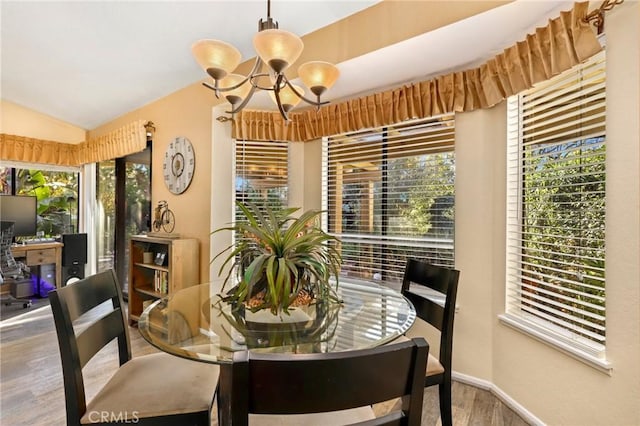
(124, 209)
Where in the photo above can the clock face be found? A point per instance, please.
(178, 165)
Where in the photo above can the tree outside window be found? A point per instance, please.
(56, 193)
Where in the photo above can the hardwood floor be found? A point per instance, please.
(31, 379)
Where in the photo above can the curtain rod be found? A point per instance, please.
(596, 17)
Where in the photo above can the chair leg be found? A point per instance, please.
(444, 389)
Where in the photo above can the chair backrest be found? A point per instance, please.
(78, 345)
(325, 382)
(8, 264)
(438, 307)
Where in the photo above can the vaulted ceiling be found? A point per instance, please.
(87, 63)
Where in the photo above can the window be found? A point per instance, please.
(56, 190)
(388, 194)
(556, 209)
(261, 175)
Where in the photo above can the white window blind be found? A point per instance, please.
(261, 173)
(261, 177)
(556, 207)
(388, 194)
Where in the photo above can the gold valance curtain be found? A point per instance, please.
(566, 41)
(30, 150)
(118, 143)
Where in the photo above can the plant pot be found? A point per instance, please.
(307, 325)
(296, 316)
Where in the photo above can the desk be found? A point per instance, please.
(194, 324)
(41, 254)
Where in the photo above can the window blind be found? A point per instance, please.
(388, 194)
(261, 173)
(261, 177)
(556, 207)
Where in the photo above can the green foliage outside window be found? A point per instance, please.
(429, 208)
(563, 194)
(57, 195)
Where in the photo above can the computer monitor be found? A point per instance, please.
(22, 210)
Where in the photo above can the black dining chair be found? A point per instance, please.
(156, 389)
(433, 290)
(329, 388)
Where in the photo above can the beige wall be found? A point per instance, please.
(305, 169)
(20, 121)
(223, 185)
(184, 113)
(480, 235)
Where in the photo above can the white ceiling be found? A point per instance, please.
(87, 63)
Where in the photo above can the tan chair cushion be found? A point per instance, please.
(152, 385)
(334, 418)
(433, 365)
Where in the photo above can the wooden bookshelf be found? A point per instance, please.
(177, 269)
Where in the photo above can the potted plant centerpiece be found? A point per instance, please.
(279, 262)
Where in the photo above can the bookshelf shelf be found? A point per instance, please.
(151, 266)
(149, 291)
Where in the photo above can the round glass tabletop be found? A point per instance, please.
(195, 323)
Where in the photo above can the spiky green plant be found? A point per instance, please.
(280, 255)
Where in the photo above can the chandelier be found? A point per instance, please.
(276, 48)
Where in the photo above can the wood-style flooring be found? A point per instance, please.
(31, 379)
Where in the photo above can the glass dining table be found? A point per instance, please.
(195, 323)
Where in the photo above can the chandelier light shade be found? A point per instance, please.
(277, 50)
(318, 76)
(216, 57)
(288, 97)
(234, 91)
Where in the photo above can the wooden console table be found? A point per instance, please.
(41, 254)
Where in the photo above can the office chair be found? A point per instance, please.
(329, 388)
(439, 282)
(157, 389)
(9, 268)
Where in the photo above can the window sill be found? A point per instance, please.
(516, 323)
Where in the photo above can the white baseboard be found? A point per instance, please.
(500, 394)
